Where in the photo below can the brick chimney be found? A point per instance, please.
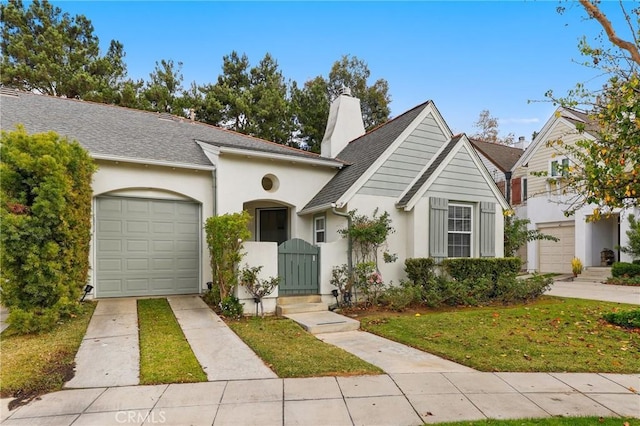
(344, 124)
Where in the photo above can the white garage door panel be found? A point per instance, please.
(557, 256)
(146, 247)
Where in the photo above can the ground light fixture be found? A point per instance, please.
(87, 290)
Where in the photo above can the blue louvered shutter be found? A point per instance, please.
(438, 227)
(487, 229)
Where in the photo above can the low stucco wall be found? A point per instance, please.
(263, 254)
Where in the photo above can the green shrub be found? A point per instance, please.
(225, 235)
(45, 227)
(623, 269)
(231, 307)
(627, 319)
(510, 289)
(636, 261)
(399, 298)
(420, 270)
(475, 268)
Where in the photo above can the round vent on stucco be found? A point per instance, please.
(270, 183)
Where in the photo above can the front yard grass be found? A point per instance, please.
(552, 334)
(34, 364)
(292, 352)
(165, 354)
(548, 421)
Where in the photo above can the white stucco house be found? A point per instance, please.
(546, 202)
(160, 177)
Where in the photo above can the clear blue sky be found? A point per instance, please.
(465, 56)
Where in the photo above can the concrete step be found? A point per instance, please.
(296, 308)
(293, 300)
(324, 322)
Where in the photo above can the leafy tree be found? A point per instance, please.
(45, 227)
(352, 72)
(162, 90)
(311, 111)
(227, 102)
(489, 129)
(633, 249)
(604, 172)
(270, 111)
(312, 106)
(517, 235)
(50, 52)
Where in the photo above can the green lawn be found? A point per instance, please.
(553, 421)
(165, 354)
(292, 352)
(553, 334)
(35, 364)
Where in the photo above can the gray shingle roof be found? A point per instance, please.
(361, 153)
(502, 156)
(122, 132)
(427, 173)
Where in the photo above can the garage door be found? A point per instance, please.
(556, 256)
(146, 247)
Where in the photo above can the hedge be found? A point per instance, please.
(477, 268)
(45, 227)
(623, 269)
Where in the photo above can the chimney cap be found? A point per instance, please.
(344, 90)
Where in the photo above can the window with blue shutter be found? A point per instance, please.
(438, 218)
(487, 229)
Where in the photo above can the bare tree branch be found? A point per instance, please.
(594, 11)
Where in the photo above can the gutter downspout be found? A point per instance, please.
(349, 242)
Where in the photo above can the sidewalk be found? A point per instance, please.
(595, 291)
(417, 387)
(396, 399)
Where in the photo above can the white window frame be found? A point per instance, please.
(558, 161)
(316, 229)
(471, 227)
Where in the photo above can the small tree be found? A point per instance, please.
(255, 286)
(633, 249)
(225, 235)
(45, 227)
(516, 234)
(368, 234)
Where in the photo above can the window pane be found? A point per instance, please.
(320, 237)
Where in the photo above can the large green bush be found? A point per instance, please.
(476, 268)
(624, 269)
(45, 227)
(225, 235)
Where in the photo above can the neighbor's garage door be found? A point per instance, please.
(556, 256)
(146, 247)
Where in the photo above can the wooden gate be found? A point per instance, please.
(298, 267)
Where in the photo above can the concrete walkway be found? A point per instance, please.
(109, 354)
(390, 356)
(221, 353)
(595, 291)
(396, 399)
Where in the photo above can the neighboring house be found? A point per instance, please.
(160, 177)
(547, 200)
(499, 160)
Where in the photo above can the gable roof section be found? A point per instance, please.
(438, 164)
(503, 156)
(571, 117)
(113, 132)
(361, 154)
(431, 168)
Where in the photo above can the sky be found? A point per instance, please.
(464, 56)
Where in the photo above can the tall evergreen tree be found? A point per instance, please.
(311, 111)
(164, 87)
(48, 51)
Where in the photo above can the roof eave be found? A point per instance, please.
(150, 162)
(281, 157)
